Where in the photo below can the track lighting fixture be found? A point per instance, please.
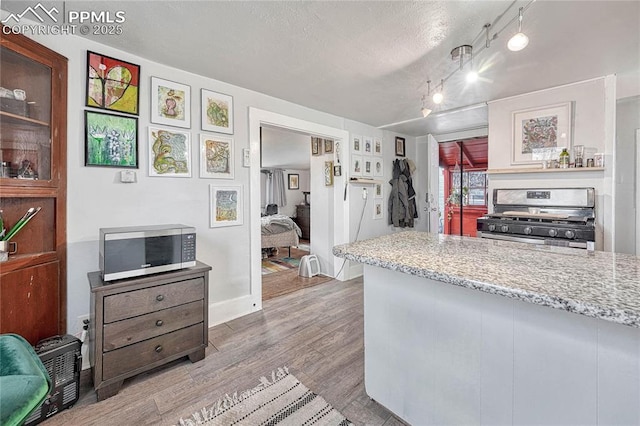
(520, 40)
(438, 97)
(425, 111)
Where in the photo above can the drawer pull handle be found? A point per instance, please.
(159, 323)
(159, 298)
(159, 348)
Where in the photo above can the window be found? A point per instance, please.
(474, 188)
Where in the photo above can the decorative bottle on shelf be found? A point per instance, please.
(564, 159)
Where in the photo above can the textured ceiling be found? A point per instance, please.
(370, 61)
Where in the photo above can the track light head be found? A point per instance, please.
(438, 97)
(520, 40)
(425, 112)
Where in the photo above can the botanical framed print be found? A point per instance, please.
(294, 181)
(216, 157)
(400, 146)
(377, 147)
(170, 103)
(377, 190)
(378, 167)
(328, 146)
(367, 166)
(368, 145)
(225, 205)
(356, 165)
(112, 84)
(356, 144)
(169, 152)
(377, 209)
(217, 112)
(316, 146)
(110, 140)
(537, 131)
(328, 173)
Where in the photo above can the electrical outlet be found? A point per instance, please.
(79, 324)
(364, 193)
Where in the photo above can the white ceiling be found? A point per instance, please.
(369, 61)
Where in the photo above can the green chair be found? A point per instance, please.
(24, 381)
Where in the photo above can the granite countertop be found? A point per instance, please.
(596, 284)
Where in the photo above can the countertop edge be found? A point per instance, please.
(575, 306)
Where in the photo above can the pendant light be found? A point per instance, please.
(438, 97)
(520, 40)
(426, 111)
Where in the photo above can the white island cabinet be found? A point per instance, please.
(471, 331)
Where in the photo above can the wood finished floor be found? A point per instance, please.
(317, 332)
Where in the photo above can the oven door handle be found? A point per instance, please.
(511, 238)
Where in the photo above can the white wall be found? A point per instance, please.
(294, 196)
(594, 118)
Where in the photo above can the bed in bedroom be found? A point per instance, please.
(279, 231)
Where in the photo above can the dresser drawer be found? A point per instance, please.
(137, 329)
(139, 355)
(139, 302)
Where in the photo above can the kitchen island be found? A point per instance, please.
(462, 330)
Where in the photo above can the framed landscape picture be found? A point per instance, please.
(225, 206)
(112, 84)
(540, 130)
(294, 181)
(110, 140)
(169, 152)
(216, 157)
(170, 103)
(217, 112)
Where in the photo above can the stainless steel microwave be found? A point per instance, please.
(133, 251)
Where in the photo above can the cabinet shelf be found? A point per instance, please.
(20, 261)
(538, 170)
(10, 118)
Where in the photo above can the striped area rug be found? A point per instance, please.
(280, 400)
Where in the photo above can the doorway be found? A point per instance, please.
(329, 211)
(463, 189)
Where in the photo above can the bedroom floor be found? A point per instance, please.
(280, 272)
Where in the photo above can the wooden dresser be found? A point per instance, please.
(141, 323)
(303, 219)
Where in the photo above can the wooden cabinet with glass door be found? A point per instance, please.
(33, 117)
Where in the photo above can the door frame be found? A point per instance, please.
(330, 211)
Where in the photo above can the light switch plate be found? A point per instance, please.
(246, 158)
(127, 176)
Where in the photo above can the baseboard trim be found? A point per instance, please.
(221, 312)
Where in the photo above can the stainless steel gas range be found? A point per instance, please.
(558, 216)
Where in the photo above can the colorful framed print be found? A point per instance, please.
(356, 165)
(316, 146)
(169, 152)
(377, 147)
(368, 145)
(294, 181)
(367, 166)
(399, 146)
(110, 140)
(378, 167)
(328, 146)
(356, 144)
(328, 173)
(225, 206)
(377, 209)
(377, 190)
(539, 132)
(112, 84)
(170, 103)
(217, 112)
(216, 157)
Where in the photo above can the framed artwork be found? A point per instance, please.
(316, 146)
(377, 190)
(378, 167)
(169, 152)
(367, 166)
(216, 157)
(294, 181)
(356, 165)
(537, 131)
(328, 173)
(377, 209)
(337, 170)
(170, 103)
(328, 146)
(112, 84)
(356, 144)
(399, 146)
(225, 206)
(110, 140)
(217, 112)
(377, 147)
(368, 145)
